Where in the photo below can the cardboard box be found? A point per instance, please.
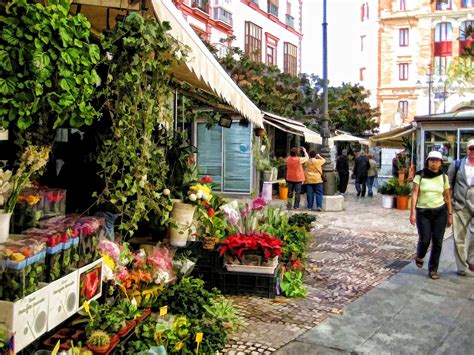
(27, 318)
(63, 299)
(90, 282)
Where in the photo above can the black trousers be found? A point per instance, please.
(343, 181)
(361, 185)
(294, 187)
(431, 224)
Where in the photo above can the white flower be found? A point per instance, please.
(193, 197)
(263, 148)
(205, 196)
(166, 192)
(199, 194)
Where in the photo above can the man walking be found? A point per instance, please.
(361, 169)
(342, 169)
(461, 178)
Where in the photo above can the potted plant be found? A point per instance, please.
(98, 342)
(129, 311)
(211, 229)
(283, 189)
(403, 192)
(255, 249)
(387, 191)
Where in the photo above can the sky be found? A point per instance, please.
(342, 17)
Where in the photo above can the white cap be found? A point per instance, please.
(470, 143)
(435, 155)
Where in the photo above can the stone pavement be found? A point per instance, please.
(351, 253)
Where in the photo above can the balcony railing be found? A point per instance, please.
(226, 4)
(254, 2)
(223, 15)
(273, 9)
(290, 21)
(202, 5)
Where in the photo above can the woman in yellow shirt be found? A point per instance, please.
(431, 211)
(314, 181)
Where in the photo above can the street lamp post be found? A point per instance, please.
(328, 167)
(430, 88)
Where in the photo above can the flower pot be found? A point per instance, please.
(387, 201)
(283, 192)
(4, 226)
(402, 202)
(182, 214)
(146, 313)
(114, 339)
(124, 330)
(267, 175)
(99, 349)
(209, 243)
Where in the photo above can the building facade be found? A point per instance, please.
(406, 49)
(270, 31)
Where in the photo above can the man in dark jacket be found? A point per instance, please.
(361, 168)
(342, 169)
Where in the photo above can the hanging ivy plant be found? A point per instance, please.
(137, 90)
(47, 75)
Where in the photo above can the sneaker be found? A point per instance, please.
(319, 209)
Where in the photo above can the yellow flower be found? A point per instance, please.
(17, 257)
(179, 345)
(205, 190)
(32, 200)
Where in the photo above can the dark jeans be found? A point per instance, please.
(314, 191)
(296, 188)
(431, 224)
(343, 181)
(370, 184)
(361, 185)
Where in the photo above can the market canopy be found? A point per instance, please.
(342, 136)
(201, 69)
(293, 127)
(393, 138)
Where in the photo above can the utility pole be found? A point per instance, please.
(328, 167)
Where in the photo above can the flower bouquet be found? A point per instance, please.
(54, 202)
(89, 228)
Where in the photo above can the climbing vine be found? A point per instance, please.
(133, 161)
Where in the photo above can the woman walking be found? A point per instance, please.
(431, 211)
(314, 181)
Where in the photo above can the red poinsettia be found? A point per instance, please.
(259, 242)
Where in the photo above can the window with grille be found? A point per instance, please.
(403, 107)
(273, 7)
(403, 5)
(271, 55)
(253, 41)
(443, 4)
(403, 37)
(441, 64)
(464, 30)
(290, 65)
(403, 71)
(467, 3)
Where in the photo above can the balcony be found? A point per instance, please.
(202, 5)
(226, 4)
(463, 44)
(223, 15)
(272, 9)
(254, 2)
(442, 49)
(290, 21)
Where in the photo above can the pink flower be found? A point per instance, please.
(122, 274)
(246, 211)
(258, 204)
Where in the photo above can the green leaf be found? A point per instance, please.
(41, 60)
(65, 37)
(5, 62)
(7, 87)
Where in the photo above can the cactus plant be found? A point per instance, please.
(98, 338)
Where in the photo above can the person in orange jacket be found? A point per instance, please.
(295, 175)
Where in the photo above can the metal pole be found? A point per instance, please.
(430, 86)
(328, 167)
(444, 96)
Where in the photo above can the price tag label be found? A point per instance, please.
(199, 337)
(163, 311)
(56, 348)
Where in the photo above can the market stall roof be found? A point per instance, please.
(201, 69)
(293, 127)
(464, 115)
(342, 136)
(393, 138)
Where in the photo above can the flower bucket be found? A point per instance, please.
(402, 202)
(283, 192)
(267, 175)
(387, 201)
(4, 226)
(182, 214)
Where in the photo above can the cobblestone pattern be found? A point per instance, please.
(345, 260)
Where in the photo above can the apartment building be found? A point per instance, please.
(405, 52)
(270, 31)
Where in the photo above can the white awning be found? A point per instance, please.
(201, 69)
(293, 127)
(346, 137)
(203, 64)
(393, 138)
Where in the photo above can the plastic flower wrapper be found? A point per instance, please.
(231, 213)
(161, 262)
(183, 265)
